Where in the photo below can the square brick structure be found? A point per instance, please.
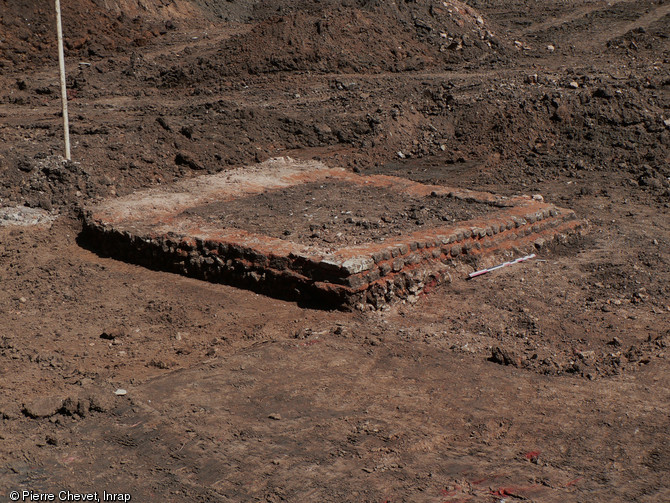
(213, 227)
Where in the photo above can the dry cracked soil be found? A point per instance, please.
(545, 381)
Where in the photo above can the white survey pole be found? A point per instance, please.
(63, 89)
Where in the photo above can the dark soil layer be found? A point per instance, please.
(339, 213)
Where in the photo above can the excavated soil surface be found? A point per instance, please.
(544, 381)
(338, 213)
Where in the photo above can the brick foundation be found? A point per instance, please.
(150, 228)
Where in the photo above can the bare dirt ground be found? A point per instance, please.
(331, 212)
(546, 381)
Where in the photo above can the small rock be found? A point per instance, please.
(401, 154)
(100, 402)
(24, 165)
(113, 334)
(160, 363)
(551, 48)
(586, 355)
(573, 368)
(574, 85)
(504, 357)
(275, 417)
(187, 131)
(323, 129)
(85, 381)
(120, 392)
(666, 122)
(184, 159)
(44, 202)
(76, 406)
(70, 406)
(43, 407)
(603, 92)
(616, 342)
(161, 121)
(9, 411)
(649, 181)
(561, 114)
(83, 406)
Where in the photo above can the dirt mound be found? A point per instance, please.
(326, 36)
(341, 37)
(90, 27)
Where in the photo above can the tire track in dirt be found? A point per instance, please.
(599, 38)
(620, 29)
(572, 16)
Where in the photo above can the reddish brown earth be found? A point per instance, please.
(546, 381)
(331, 213)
